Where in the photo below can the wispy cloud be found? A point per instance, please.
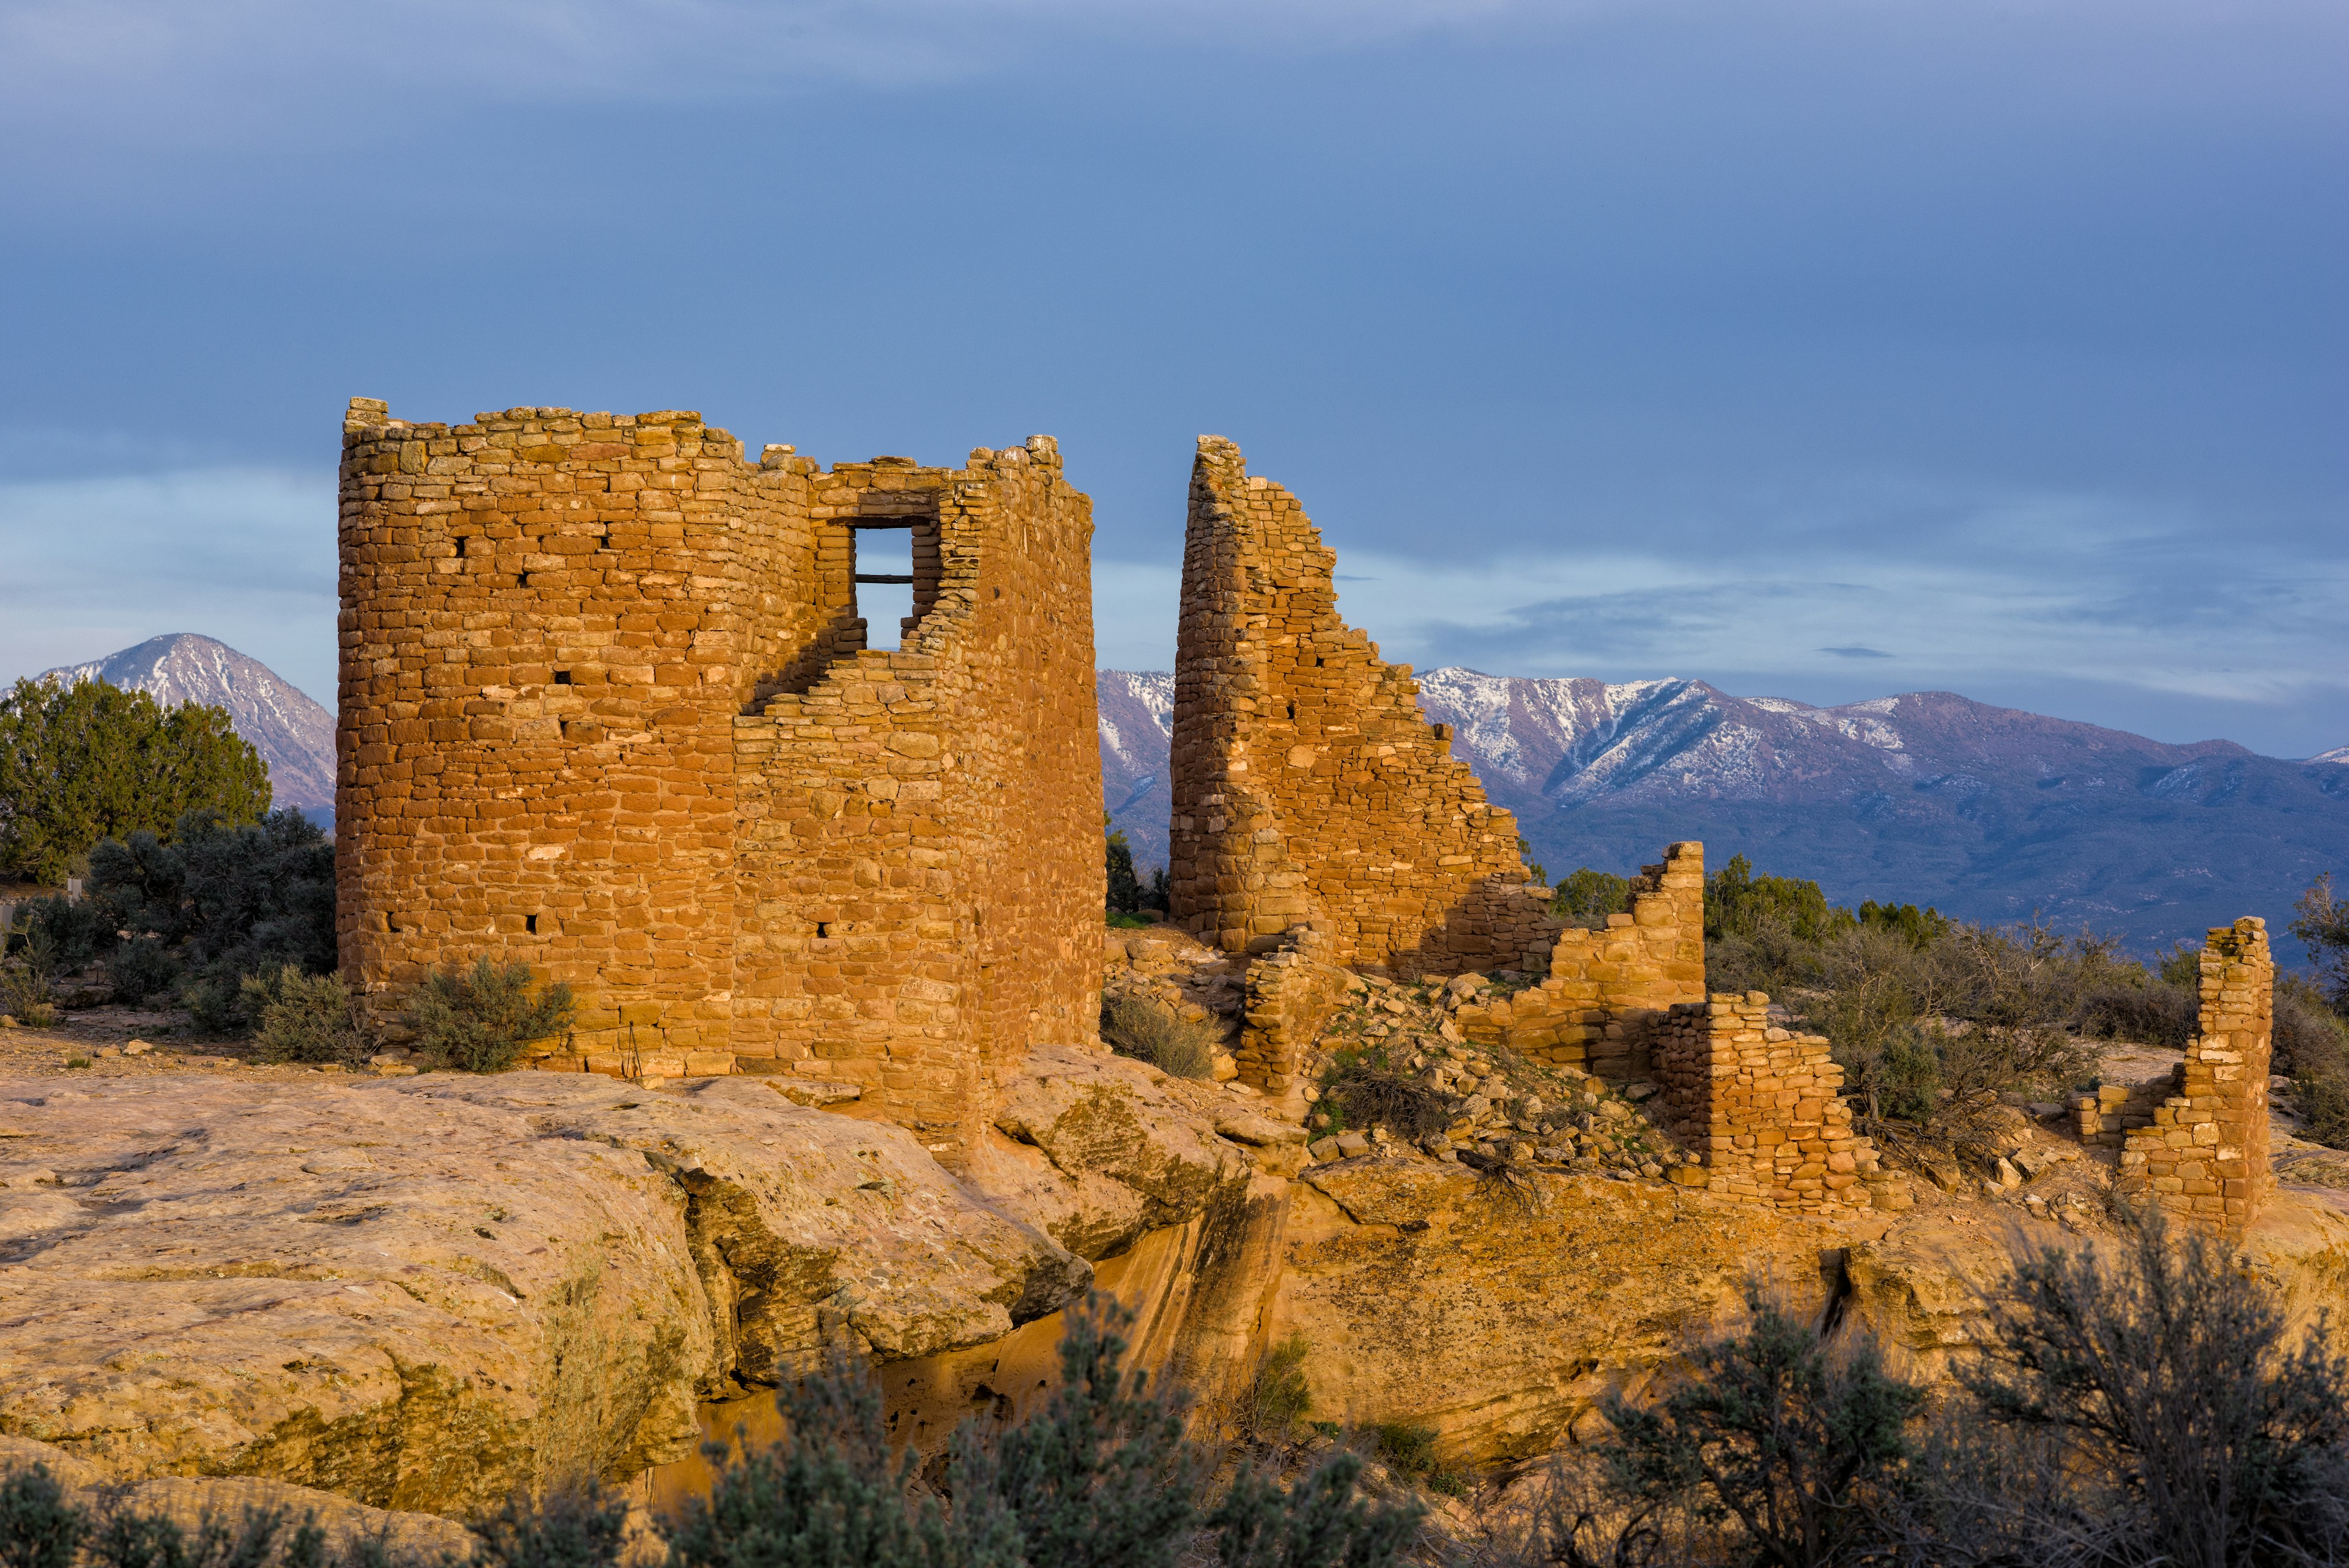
(245, 64)
(1857, 652)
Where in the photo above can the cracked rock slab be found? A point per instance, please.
(423, 1292)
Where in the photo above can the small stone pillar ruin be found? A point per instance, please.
(2204, 1156)
(1761, 1106)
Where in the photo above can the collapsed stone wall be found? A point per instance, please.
(1290, 993)
(1307, 789)
(2204, 1154)
(1761, 1106)
(1603, 991)
(606, 706)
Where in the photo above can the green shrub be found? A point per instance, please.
(1100, 1476)
(1278, 1395)
(572, 1527)
(38, 1528)
(1319, 1522)
(141, 968)
(227, 900)
(306, 1018)
(1736, 902)
(25, 995)
(85, 762)
(1772, 1429)
(66, 933)
(477, 1020)
(1409, 1448)
(1125, 889)
(1144, 1028)
(1586, 898)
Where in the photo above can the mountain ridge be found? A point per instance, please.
(1992, 814)
(294, 735)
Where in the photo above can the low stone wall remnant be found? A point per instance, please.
(1761, 1106)
(1604, 991)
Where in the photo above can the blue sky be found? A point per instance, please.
(1815, 348)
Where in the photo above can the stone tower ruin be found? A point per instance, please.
(606, 707)
(1308, 791)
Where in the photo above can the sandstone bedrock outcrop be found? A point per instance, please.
(417, 1295)
(427, 1292)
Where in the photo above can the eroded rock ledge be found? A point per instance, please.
(424, 1293)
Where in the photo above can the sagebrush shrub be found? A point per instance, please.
(308, 1018)
(1144, 1028)
(478, 1019)
(1278, 1395)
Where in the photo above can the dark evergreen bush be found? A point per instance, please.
(1126, 896)
(226, 901)
(88, 762)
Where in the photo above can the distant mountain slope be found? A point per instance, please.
(1137, 711)
(293, 733)
(1989, 813)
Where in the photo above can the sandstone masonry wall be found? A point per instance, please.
(1604, 991)
(1761, 1107)
(2204, 1156)
(1307, 789)
(922, 879)
(1290, 994)
(607, 707)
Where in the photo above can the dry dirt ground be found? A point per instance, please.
(91, 1041)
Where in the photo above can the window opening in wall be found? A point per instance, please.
(884, 577)
(823, 927)
(562, 678)
(529, 924)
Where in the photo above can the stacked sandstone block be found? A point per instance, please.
(2204, 1156)
(2107, 1115)
(1605, 991)
(1307, 788)
(606, 707)
(1761, 1106)
(1291, 992)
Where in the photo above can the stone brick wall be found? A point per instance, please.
(606, 706)
(1308, 789)
(2204, 1156)
(1290, 993)
(921, 863)
(1760, 1106)
(2106, 1115)
(1603, 991)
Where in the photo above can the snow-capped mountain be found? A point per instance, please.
(1990, 813)
(1138, 715)
(2337, 755)
(293, 733)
